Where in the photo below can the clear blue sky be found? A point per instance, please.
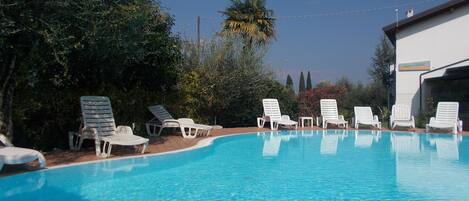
(329, 38)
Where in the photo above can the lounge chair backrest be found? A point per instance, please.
(447, 112)
(4, 140)
(363, 114)
(329, 109)
(97, 114)
(401, 112)
(272, 109)
(160, 112)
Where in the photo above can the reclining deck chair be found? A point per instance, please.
(446, 117)
(163, 119)
(330, 114)
(400, 116)
(11, 155)
(364, 115)
(99, 124)
(273, 115)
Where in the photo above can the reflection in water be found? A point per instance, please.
(272, 141)
(330, 141)
(447, 147)
(31, 184)
(419, 172)
(405, 143)
(364, 139)
(110, 167)
(271, 145)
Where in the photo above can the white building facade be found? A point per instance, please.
(431, 46)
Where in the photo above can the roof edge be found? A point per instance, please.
(391, 29)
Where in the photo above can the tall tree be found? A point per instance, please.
(251, 20)
(384, 56)
(301, 85)
(309, 84)
(289, 82)
(379, 71)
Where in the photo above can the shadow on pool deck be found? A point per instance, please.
(164, 143)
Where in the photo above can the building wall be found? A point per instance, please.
(442, 40)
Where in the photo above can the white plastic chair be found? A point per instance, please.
(330, 113)
(11, 155)
(273, 115)
(364, 115)
(446, 117)
(98, 122)
(163, 119)
(400, 116)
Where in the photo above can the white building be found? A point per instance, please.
(432, 57)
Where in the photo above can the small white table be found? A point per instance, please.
(303, 119)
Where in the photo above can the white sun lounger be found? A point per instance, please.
(446, 117)
(11, 155)
(98, 122)
(364, 115)
(400, 116)
(273, 115)
(330, 114)
(163, 119)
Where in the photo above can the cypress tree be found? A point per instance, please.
(289, 82)
(302, 83)
(309, 84)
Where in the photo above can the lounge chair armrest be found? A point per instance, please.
(124, 130)
(432, 119)
(171, 121)
(341, 117)
(93, 131)
(412, 118)
(375, 118)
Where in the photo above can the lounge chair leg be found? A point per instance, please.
(109, 147)
(183, 132)
(71, 143)
(97, 144)
(42, 161)
(144, 148)
(80, 142)
(159, 132)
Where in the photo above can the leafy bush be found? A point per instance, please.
(120, 49)
(228, 83)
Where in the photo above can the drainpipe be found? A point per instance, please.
(436, 69)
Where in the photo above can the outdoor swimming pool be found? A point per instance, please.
(288, 165)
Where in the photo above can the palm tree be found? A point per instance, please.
(251, 20)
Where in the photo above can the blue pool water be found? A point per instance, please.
(288, 165)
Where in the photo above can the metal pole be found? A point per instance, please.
(198, 33)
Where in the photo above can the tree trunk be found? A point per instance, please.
(7, 89)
